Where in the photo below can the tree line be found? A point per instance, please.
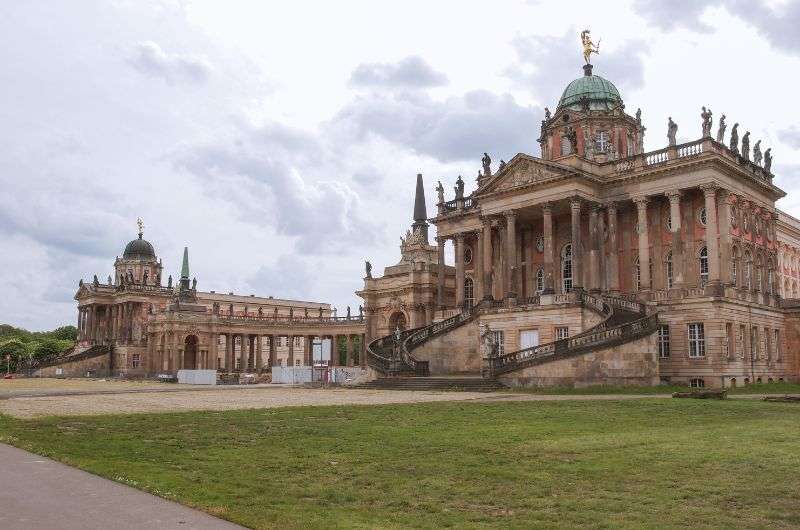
(24, 346)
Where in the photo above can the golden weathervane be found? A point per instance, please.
(588, 46)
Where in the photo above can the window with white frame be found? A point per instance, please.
(703, 266)
(540, 280)
(601, 142)
(469, 293)
(702, 216)
(776, 343)
(767, 343)
(500, 340)
(562, 332)
(663, 341)
(697, 382)
(136, 360)
(697, 340)
(734, 266)
(729, 339)
(754, 342)
(566, 268)
(748, 270)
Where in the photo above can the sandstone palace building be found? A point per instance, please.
(594, 263)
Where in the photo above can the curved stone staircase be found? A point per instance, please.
(390, 356)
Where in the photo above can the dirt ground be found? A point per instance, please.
(31, 398)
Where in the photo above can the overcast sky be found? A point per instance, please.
(280, 141)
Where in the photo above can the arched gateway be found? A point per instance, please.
(190, 352)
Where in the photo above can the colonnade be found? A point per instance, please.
(602, 246)
(103, 323)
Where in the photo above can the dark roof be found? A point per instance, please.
(139, 249)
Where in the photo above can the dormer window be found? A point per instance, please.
(601, 142)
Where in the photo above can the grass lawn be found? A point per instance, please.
(632, 464)
(763, 388)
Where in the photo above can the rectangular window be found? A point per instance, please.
(776, 343)
(754, 342)
(562, 333)
(697, 340)
(728, 346)
(767, 343)
(136, 360)
(697, 382)
(663, 341)
(740, 341)
(500, 341)
(601, 142)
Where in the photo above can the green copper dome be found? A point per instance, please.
(601, 93)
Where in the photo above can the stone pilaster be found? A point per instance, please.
(678, 265)
(594, 248)
(724, 227)
(511, 254)
(612, 266)
(644, 243)
(440, 275)
(487, 259)
(577, 252)
(459, 256)
(477, 267)
(290, 340)
(712, 241)
(349, 350)
(547, 235)
(259, 360)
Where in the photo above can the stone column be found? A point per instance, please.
(678, 269)
(712, 243)
(644, 244)
(259, 361)
(487, 259)
(273, 357)
(547, 235)
(214, 350)
(477, 268)
(440, 275)
(290, 339)
(80, 321)
(724, 226)
(349, 350)
(335, 350)
(459, 252)
(244, 351)
(612, 266)
(229, 352)
(577, 254)
(511, 254)
(594, 248)
(177, 351)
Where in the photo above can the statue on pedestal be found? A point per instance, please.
(672, 131)
(638, 118)
(757, 153)
(486, 161)
(721, 129)
(768, 160)
(746, 145)
(502, 165)
(368, 267)
(707, 122)
(734, 145)
(440, 192)
(459, 187)
(588, 46)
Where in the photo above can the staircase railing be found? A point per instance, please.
(639, 324)
(383, 354)
(422, 335)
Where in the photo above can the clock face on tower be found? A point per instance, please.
(540, 243)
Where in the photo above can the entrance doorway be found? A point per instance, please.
(397, 320)
(190, 352)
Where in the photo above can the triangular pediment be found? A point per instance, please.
(523, 171)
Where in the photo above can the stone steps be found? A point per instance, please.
(463, 384)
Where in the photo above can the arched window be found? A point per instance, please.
(703, 266)
(669, 270)
(748, 270)
(469, 293)
(566, 268)
(759, 275)
(637, 274)
(770, 279)
(540, 280)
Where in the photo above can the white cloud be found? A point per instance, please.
(411, 72)
(151, 60)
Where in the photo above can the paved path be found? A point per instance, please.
(37, 493)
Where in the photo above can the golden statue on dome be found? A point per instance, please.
(588, 46)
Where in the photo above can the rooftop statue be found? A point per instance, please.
(768, 160)
(588, 46)
(757, 153)
(672, 131)
(368, 267)
(638, 117)
(546, 114)
(734, 146)
(169, 282)
(459, 187)
(140, 224)
(486, 162)
(440, 192)
(721, 129)
(502, 165)
(746, 146)
(707, 122)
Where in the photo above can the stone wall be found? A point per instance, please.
(454, 352)
(633, 363)
(92, 367)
